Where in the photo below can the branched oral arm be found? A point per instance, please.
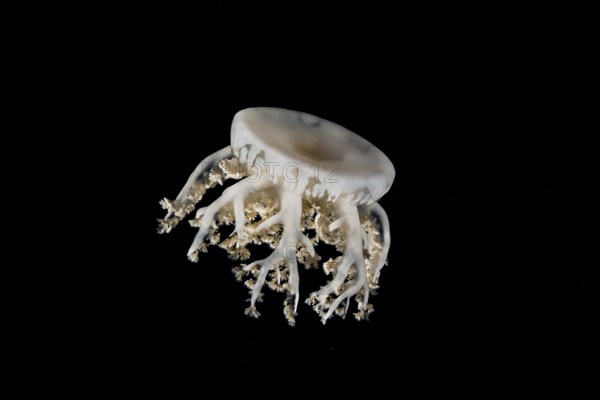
(289, 216)
(204, 166)
(291, 207)
(192, 191)
(352, 273)
(234, 194)
(359, 283)
(353, 256)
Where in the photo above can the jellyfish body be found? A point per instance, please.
(297, 173)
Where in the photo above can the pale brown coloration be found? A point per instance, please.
(268, 209)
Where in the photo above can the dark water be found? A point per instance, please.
(110, 107)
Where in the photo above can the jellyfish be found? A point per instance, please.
(301, 181)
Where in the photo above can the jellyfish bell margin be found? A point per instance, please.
(296, 173)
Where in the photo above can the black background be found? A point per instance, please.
(109, 107)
